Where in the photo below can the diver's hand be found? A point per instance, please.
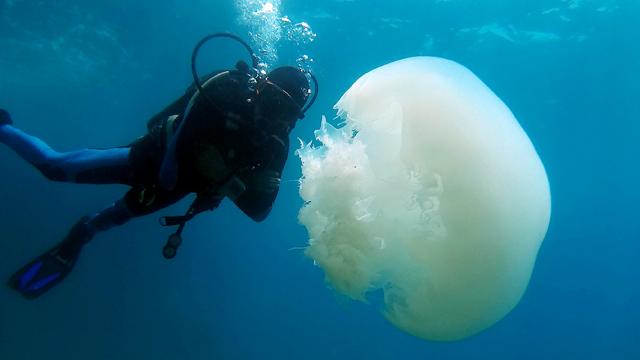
(233, 188)
(264, 153)
(5, 117)
(266, 181)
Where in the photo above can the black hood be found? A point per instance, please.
(293, 81)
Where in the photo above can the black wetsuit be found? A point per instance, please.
(249, 148)
(232, 143)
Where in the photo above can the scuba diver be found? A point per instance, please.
(226, 137)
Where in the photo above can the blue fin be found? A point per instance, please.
(45, 272)
(29, 274)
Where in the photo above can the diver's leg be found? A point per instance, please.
(139, 201)
(49, 269)
(91, 166)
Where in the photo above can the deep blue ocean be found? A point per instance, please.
(90, 73)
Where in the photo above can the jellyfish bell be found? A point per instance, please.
(431, 192)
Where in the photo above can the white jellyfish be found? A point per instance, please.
(431, 192)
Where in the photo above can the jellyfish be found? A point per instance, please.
(430, 192)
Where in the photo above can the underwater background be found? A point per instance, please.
(89, 74)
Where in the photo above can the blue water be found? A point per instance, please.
(89, 74)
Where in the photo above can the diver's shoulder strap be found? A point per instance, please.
(169, 128)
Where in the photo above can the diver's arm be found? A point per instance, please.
(261, 185)
(256, 202)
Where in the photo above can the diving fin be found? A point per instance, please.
(50, 268)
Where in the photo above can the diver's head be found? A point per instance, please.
(281, 100)
(293, 81)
